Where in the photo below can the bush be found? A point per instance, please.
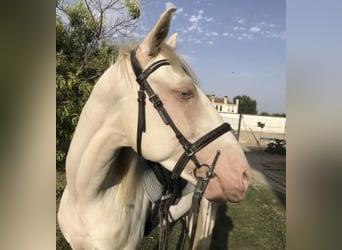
(80, 60)
(59, 190)
(279, 147)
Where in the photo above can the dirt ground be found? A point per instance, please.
(268, 169)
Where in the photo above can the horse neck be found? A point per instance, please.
(99, 135)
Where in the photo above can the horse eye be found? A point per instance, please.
(185, 94)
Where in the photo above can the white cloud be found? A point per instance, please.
(172, 5)
(213, 33)
(226, 34)
(199, 30)
(208, 19)
(184, 30)
(239, 28)
(241, 21)
(273, 34)
(270, 25)
(254, 29)
(180, 10)
(195, 28)
(197, 21)
(169, 5)
(246, 36)
(191, 28)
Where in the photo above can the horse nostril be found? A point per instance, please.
(246, 178)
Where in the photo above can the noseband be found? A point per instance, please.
(190, 149)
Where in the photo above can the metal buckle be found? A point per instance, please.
(210, 173)
(189, 152)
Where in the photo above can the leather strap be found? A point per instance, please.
(172, 188)
(197, 146)
(141, 77)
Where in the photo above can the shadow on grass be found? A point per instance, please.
(223, 226)
(258, 159)
(256, 223)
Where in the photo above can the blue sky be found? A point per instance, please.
(235, 47)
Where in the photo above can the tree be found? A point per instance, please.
(87, 24)
(84, 50)
(279, 115)
(265, 113)
(246, 105)
(274, 114)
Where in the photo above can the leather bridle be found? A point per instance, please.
(190, 149)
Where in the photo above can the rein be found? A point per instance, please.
(170, 195)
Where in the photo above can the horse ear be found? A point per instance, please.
(172, 40)
(151, 44)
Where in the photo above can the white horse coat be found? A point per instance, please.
(103, 205)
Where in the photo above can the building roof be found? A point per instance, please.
(220, 99)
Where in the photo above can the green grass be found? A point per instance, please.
(256, 223)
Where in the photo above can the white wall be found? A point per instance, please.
(272, 124)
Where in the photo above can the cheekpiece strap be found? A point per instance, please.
(197, 146)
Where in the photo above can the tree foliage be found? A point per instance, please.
(84, 51)
(274, 114)
(133, 8)
(279, 114)
(277, 147)
(247, 105)
(265, 113)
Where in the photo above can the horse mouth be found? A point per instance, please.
(216, 192)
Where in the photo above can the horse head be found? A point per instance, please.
(192, 114)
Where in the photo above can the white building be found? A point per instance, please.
(224, 105)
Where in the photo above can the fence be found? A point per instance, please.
(275, 125)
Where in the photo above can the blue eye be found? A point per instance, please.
(185, 94)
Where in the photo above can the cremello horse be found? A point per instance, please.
(103, 205)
